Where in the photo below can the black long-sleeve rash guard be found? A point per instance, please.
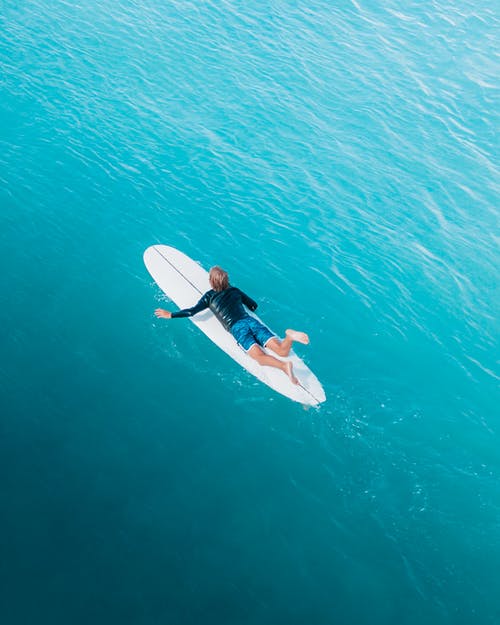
(227, 306)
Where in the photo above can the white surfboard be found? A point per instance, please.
(184, 281)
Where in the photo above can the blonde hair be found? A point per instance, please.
(219, 280)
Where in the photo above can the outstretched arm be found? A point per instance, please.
(186, 312)
(161, 313)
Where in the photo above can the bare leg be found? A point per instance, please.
(282, 348)
(258, 354)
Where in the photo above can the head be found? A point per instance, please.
(219, 280)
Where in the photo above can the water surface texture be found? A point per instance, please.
(341, 161)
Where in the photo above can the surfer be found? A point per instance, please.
(226, 302)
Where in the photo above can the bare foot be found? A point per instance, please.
(300, 337)
(288, 369)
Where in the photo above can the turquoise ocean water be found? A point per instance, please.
(341, 161)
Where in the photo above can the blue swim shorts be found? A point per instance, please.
(248, 331)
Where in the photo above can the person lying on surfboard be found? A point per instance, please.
(226, 302)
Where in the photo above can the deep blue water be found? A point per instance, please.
(341, 161)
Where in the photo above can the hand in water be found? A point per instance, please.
(163, 314)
